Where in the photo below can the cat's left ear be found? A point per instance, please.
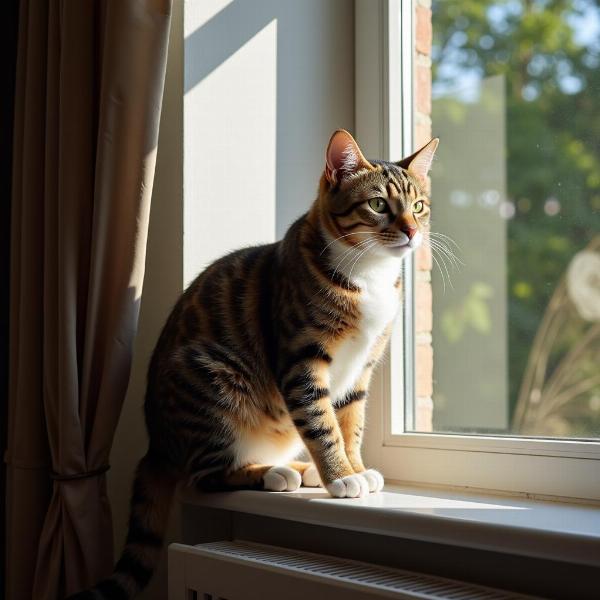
(343, 157)
(419, 163)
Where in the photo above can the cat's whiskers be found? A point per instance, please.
(443, 271)
(348, 254)
(435, 249)
(455, 262)
(440, 270)
(367, 249)
(342, 236)
(443, 257)
(443, 250)
(445, 242)
(445, 267)
(445, 245)
(445, 237)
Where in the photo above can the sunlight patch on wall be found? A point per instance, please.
(230, 118)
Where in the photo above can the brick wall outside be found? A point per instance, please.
(423, 301)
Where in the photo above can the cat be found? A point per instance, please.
(271, 349)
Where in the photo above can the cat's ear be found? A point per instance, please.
(343, 157)
(419, 163)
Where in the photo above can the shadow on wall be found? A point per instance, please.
(314, 81)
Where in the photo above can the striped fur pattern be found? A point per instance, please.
(270, 351)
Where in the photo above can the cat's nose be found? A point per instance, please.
(409, 230)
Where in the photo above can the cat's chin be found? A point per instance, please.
(399, 251)
(404, 249)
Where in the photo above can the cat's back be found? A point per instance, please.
(228, 301)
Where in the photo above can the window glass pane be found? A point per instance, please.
(516, 218)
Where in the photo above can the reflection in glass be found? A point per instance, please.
(516, 336)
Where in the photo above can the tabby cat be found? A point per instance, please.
(271, 349)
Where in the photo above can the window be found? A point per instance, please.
(516, 323)
(506, 309)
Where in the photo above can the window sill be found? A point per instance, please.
(555, 531)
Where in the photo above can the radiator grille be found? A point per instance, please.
(409, 583)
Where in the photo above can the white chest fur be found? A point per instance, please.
(376, 276)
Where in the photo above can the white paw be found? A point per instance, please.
(351, 486)
(282, 479)
(374, 479)
(311, 477)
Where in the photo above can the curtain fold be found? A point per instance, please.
(90, 78)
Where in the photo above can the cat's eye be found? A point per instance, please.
(379, 205)
(418, 206)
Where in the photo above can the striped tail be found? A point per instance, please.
(153, 490)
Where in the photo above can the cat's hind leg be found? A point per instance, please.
(254, 477)
(275, 478)
(283, 478)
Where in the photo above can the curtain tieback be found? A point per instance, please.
(83, 475)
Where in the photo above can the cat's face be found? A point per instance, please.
(375, 204)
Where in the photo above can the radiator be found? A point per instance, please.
(237, 570)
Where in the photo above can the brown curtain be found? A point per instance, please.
(89, 85)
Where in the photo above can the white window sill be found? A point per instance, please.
(539, 529)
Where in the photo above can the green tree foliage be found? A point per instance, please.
(549, 53)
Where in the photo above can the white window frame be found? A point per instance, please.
(567, 469)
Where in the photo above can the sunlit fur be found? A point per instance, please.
(269, 351)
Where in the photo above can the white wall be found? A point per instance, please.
(266, 83)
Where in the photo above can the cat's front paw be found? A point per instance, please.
(351, 486)
(282, 479)
(311, 477)
(374, 479)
